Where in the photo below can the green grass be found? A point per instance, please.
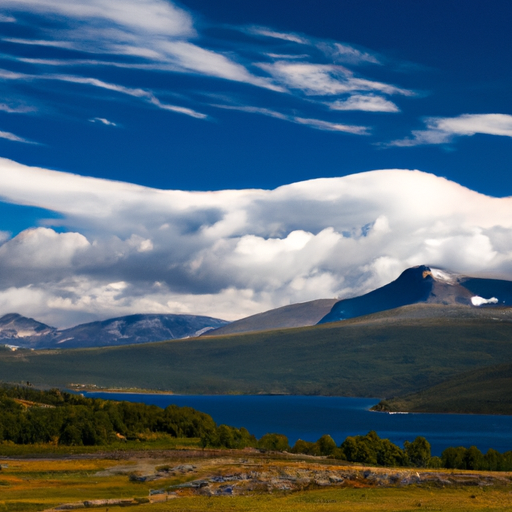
(160, 442)
(361, 357)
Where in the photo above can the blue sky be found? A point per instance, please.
(213, 96)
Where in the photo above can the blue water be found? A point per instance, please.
(309, 417)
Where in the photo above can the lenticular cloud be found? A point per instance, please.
(126, 248)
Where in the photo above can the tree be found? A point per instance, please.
(326, 445)
(473, 458)
(453, 458)
(274, 442)
(418, 452)
(390, 454)
(304, 447)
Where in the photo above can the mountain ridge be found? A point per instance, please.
(131, 329)
(451, 292)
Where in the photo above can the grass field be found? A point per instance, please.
(159, 442)
(38, 485)
(353, 358)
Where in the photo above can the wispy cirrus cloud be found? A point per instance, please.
(349, 54)
(285, 36)
(443, 130)
(366, 103)
(136, 16)
(129, 91)
(137, 93)
(332, 127)
(42, 42)
(159, 36)
(325, 79)
(16, 109)
(7, 19)
(102, 120)
(15, 138)
(156, 30)
(313, 123)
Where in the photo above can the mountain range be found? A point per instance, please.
(23, 332)
(416, 285)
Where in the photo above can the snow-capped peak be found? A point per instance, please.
(443, 276)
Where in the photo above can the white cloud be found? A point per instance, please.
(155, 30)
(102, 120)
(42, 42)
(366, 103)
(7, 19)
(325, 79)
(285, 36)
(313, 123)
(236, 252)
(192, 58)
(158, 35)
(14, 138)
(147, 17)
(442, 130)
(20, 109)
(347, 53)
(129, 91)
(332, 127)
(42, 248)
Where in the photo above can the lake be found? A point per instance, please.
(309, 417)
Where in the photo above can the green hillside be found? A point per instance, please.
(377, 356)
(483, 391)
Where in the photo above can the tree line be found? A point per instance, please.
(71, 419)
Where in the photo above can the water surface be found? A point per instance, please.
(309, 417)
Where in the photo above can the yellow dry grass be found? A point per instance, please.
(37, 485)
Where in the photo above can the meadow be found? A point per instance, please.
(40, 484)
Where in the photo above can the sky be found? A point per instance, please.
(224, 158)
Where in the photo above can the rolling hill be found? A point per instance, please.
(482, 391)
(294, 315)
(387, 354)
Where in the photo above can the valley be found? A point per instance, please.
(388, 354)
(430, 332)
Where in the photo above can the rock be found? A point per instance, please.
(225, 490)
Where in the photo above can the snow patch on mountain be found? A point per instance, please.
(443, 276)
(480, 301)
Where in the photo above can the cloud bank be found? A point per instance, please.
(123, 248)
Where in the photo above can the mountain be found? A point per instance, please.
(425, 285)
(28, 333)
(294, 315)
(15, 327)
